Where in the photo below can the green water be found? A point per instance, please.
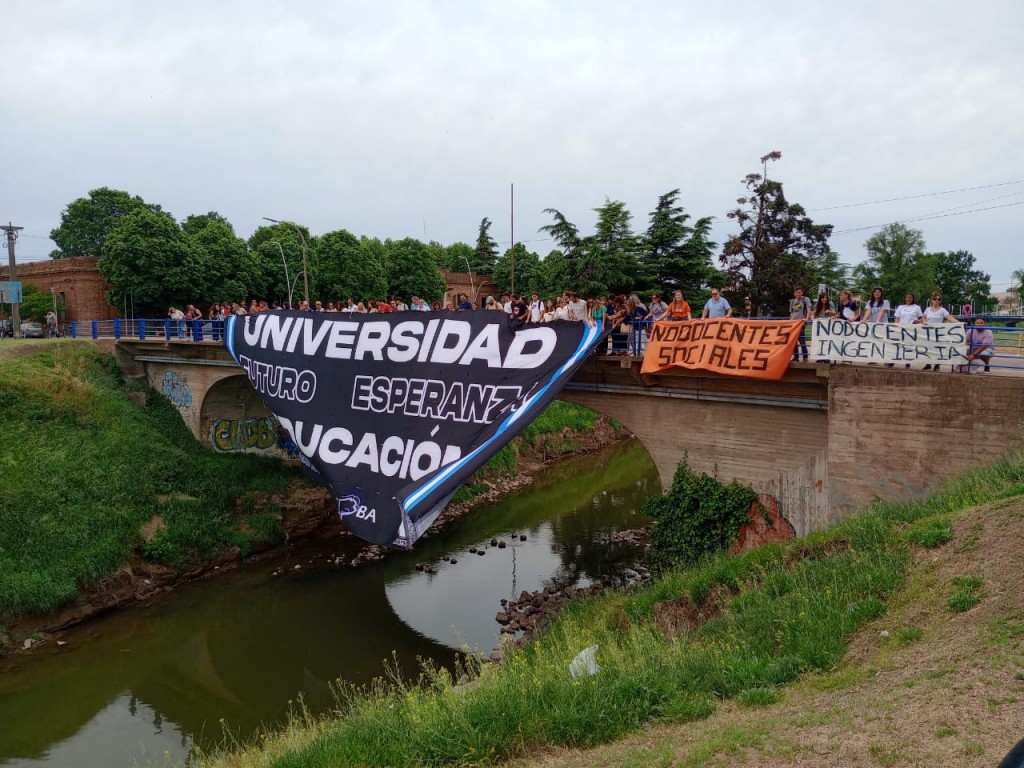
(140, 686)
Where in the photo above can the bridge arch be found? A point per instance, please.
(233, 418)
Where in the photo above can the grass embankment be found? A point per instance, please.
(725, 636)
(94, 470)
(83, 467)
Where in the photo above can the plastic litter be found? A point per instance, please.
(585, 663)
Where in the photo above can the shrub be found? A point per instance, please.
(697, 516)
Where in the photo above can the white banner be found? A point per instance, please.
(839, 340)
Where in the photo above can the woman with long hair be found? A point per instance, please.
(823, 307)
(877, 308)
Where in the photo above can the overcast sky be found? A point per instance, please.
(412, 118)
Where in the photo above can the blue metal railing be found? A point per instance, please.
(1008, 340)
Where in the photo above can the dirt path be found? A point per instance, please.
(921, 686)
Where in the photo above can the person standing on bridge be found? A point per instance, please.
(877, 309)
(716, 306)
(847, 308)
(679, 309)
(800, 309)
(908, 313)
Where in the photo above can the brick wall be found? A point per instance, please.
(77, 279)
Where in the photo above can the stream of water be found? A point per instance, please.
(233, 654)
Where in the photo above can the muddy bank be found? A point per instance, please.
(307, 515)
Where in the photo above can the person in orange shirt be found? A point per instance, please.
(679, 309)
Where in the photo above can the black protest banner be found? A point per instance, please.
(391, 413)
(839, 340)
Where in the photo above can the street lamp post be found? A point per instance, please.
(472, 287)
(305, 259)
(287, 282)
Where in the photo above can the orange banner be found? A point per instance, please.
(758, 349)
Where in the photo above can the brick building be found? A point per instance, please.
(477, 287)
(76, 282)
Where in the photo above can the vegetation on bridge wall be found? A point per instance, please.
(697, 516)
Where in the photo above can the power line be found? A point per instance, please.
(914, 197)
(926, 218)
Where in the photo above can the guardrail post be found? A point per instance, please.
(142, 329)
(117, 327)
(95, 329)
(197, 330)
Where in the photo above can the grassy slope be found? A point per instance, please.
(82, 467)
(779, 616)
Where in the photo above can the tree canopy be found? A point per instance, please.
(86, 222)
(675, 254)
(148, 255)
(778, 248)
(486, 250)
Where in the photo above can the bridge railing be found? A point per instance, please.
(1007, 353)
(148, 328)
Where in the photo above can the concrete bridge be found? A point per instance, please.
(824, 440)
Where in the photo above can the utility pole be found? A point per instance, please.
(12, 237)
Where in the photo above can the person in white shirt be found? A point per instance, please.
(936, 313)
(908, 313)
(577, 307)
(536, 308)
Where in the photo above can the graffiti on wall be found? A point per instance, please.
(176, 389)
(244, 434)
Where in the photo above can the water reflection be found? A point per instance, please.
(150, 680)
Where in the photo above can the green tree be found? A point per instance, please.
(529, 271)
(486, 249)
(149, 255)
(86, 222)
(412, 271)
(829, 270)
(459, 257)
(958, 281)
(676, 255)
(776, 248)
(232, 272)
(896, 262)
(604, 262)
(347, 271)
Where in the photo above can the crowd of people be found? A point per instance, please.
(621, 314)
(980, 343)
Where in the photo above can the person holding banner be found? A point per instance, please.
(823, 307)
(716, 306)
(800, 309)
(908, 313)
(679, 309)
(936, 313)
(847, 309)
(877, 309)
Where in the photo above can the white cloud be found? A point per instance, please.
(391, 119)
